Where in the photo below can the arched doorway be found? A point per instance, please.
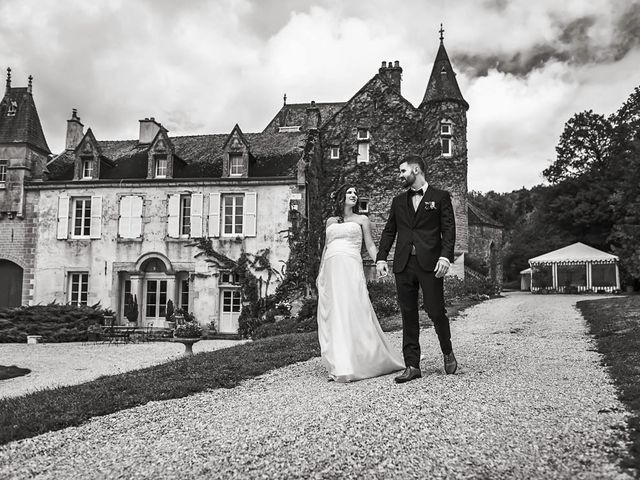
(10, 284)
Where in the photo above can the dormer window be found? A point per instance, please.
(161, 166)
(446, 140)
(236, 164)
(13, 108)
(87, 167)
(335, 153)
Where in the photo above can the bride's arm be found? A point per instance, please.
(368, 238)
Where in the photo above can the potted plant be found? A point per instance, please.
(187, 332)
(131, 308)
(170, 315)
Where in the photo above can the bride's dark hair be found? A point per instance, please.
(339, 196)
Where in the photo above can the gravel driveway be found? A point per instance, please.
(531, 400)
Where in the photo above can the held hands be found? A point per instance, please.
(382, 269)
(441, 268)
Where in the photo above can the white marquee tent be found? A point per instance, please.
(575, 268)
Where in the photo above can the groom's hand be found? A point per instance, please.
(441, 268)
(382, 268)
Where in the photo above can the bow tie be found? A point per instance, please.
(415, 192)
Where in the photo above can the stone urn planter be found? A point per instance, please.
(188, 344)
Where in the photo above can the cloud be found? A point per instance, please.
(202, 66)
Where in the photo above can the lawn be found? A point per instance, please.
(615, 324)
(55, 409)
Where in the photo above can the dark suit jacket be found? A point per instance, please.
(431, 230)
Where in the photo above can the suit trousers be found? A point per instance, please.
(408, 283)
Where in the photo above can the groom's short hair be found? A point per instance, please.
(414, 160)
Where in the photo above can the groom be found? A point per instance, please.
(423, 220)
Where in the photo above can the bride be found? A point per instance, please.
(351, 341)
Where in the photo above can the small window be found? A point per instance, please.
(232, 214)
(13, 108)
(363, 206)
(363, 152)
(3, 172)
(81, 217)
(185, 215)
(446, 147)
(78, 288)
(161, 166)
(335, 153)
(230, 278)
(235, 164)
(87, 168)
(363, 134)
(446, 141)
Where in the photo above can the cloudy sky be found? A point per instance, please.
(525, 67)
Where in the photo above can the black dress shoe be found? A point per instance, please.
(450, 363)
(410, 373)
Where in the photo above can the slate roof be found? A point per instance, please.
(576, 253)
(442, 82)
(476, 216)
(295, 114)
(24, 126)
(272, 155)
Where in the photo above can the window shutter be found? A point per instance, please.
(173, 220)
(250, 214)
(63, 217)
(124, 222)
(196, 215)
(135, 228)
(214, 214)
(95, 230)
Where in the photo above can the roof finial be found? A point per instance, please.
(30, 85)
(441, 33)
(285, 99)
(8, 78)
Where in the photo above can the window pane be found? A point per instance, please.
(603, 275)
(572, 275)
(446, 146)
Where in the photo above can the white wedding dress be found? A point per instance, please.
(352, 343)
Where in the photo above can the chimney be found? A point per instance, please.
(30, 85)
(8, 84)
(149, 128)
(313, 116)
(74, 130)
(392, 74)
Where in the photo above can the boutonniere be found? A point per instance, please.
(430, 205)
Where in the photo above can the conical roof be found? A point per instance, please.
(19, 121)
(442, 84)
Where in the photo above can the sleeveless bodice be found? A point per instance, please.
(344, 238)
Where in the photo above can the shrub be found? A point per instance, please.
(454, 288)
(55, 322)
(309, 308)
(484, 286)
(383, 297)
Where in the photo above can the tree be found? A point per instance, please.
(584, 146)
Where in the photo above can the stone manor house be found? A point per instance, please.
(111, 220)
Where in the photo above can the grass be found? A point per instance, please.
(12, 372)
(55, 409)
(615, 324)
